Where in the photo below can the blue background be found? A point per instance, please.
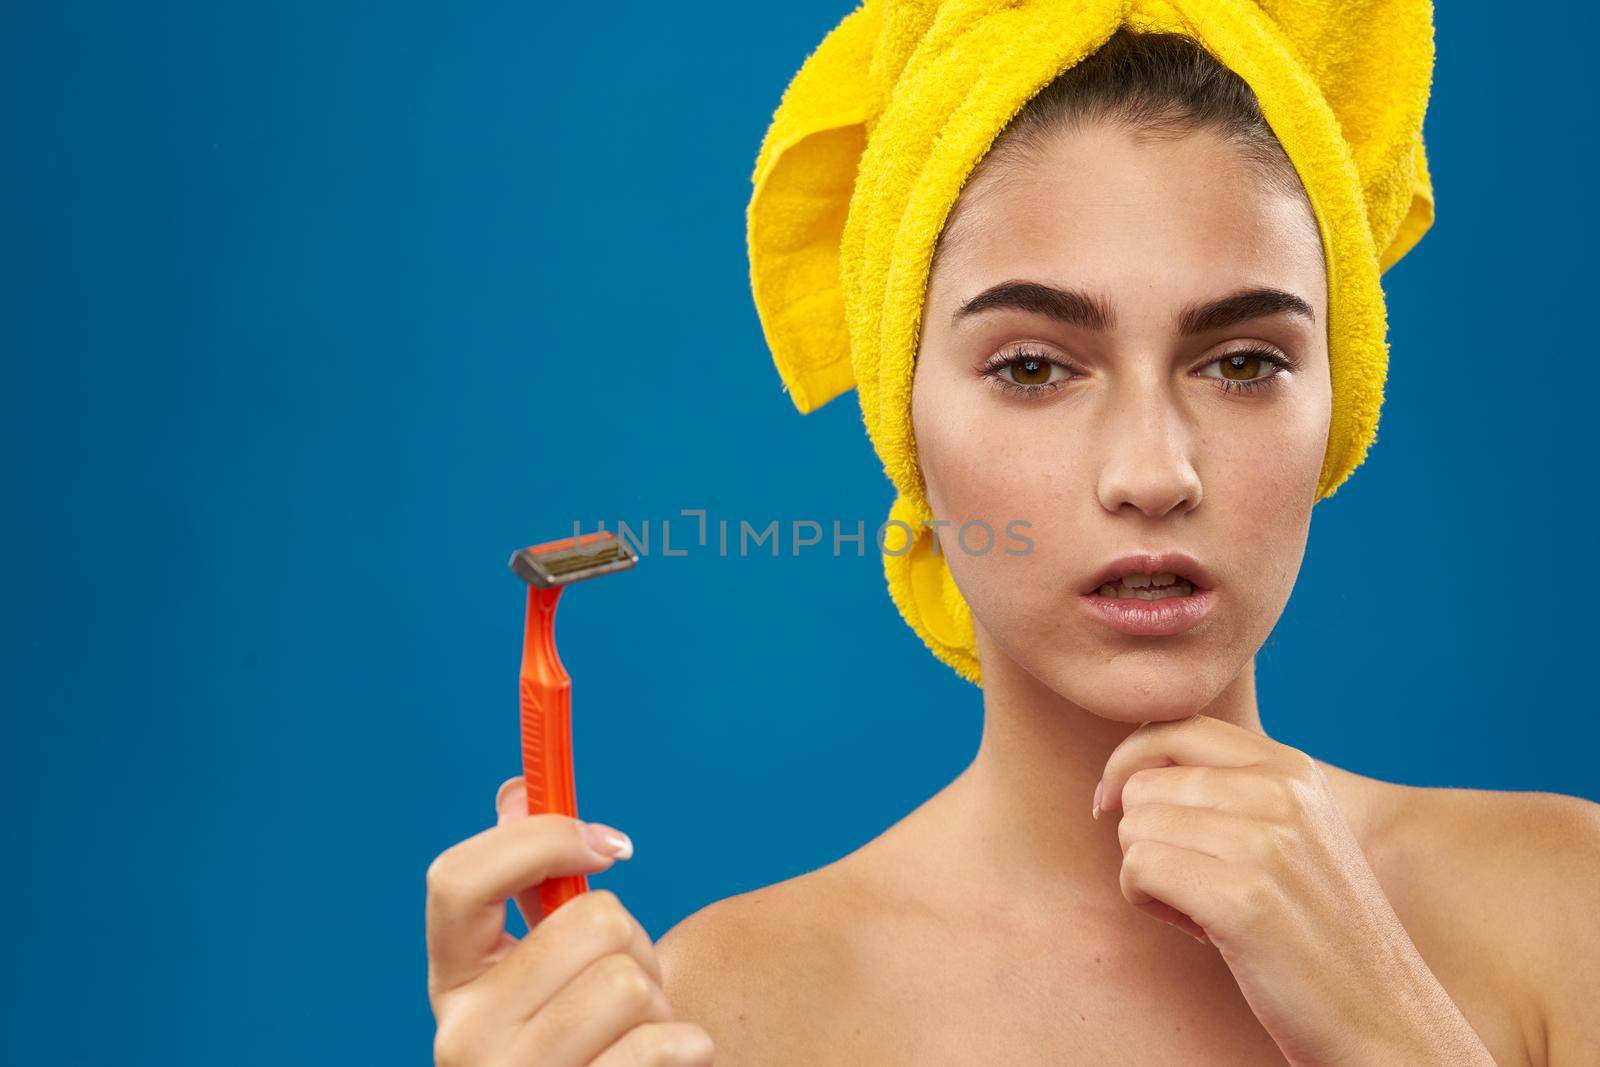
(313, 313)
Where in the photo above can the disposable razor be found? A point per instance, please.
(547, 688)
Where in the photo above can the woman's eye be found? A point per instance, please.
(1248, 369)
(1031, 371)
(1242, 366)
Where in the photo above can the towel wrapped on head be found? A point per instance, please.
(884, 122)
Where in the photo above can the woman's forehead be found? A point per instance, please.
(1122, 217)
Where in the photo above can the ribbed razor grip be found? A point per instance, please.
(547, 732)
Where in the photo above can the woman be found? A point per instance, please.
(1124, 342)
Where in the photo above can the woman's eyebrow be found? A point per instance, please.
(1071, 306)
(1242, 306)
(1078, 308)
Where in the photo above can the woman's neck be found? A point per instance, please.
(1021, 809)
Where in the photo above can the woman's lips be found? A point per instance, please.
(1163, 617)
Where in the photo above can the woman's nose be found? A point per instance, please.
(1148, 459)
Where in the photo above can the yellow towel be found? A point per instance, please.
(885, 120)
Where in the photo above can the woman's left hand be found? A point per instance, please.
(1238, 839)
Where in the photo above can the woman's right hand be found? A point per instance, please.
(583, 989)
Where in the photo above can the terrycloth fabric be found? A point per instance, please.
(883, 123)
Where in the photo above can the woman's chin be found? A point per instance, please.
(1166, 679)
(1134, 697)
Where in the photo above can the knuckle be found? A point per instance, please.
(451, 1042)
(1276, 840)
(1137, 820)
(1128, 878)
(1302, 792)
(649, 1045)
(699, 1050)
(1137, 858)
(669, 1045)
(441, 877)
(626, 983)
(608, 921)
(1135, 788)
(1253, 898)
(1143, 823)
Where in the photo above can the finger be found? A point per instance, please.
(590, 927)
(1241, 790)
(609, 997)
(468, 885)
(1193, 883)
(1219, 834)
(511, 802)
(1173, 917)
(1199, 740)
(660, 1045)
(1165, 913)
(511, 799)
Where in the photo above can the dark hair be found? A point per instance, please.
(1157, 86)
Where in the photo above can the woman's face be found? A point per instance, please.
(1122, 417)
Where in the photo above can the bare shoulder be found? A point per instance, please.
(759, 969)
(1516, 873)
(1542, 850)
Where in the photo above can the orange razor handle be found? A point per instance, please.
(547, 732)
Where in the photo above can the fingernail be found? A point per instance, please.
(1098, 787)
(607, 841)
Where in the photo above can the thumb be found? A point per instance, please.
(511, 802)
(511, 799)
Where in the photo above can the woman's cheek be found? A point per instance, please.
(990, 474)
(1015, 570)
(1260, 493)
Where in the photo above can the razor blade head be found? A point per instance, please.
(573, 559)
